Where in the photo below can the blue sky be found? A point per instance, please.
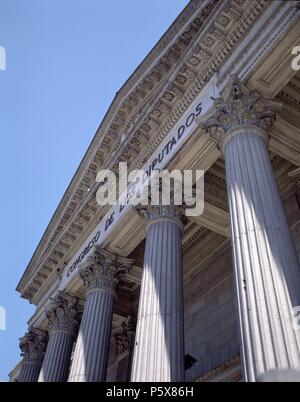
(66, 59)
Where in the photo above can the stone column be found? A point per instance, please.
(32, 347)
(266, 269)
(101, 275)
(159, 343)
(63, 320)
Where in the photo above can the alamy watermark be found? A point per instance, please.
(296, 60)
(2, 58)
(2, 319)
(155, 187)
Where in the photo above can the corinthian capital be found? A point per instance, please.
(240, 108)
(63, 313)
(151, 212)
(104, 270)
(33, 345)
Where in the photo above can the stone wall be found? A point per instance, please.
(211, 334)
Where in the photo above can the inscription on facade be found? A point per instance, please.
(168, 148)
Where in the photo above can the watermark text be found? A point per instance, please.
(2, 58)
(296, 60)
(2, 319)
(159, 187)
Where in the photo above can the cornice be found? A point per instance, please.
(91, 163)
(208, 68)
(272, 27)
(210, 45)
(222, 45)
(68, 206)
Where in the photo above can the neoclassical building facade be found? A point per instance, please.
(128, 295)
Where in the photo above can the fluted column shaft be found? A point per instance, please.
(101, 276)
(30, 371)
(267, 272)
(265, 261)
(91, 353)
(159, 343)
(57, 357)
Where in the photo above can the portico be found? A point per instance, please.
(212, 295)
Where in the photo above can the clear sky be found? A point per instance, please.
(66, 59)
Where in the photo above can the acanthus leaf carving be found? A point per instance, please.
(240, 108)
(104, 269)
(33, 345)
(63, 313)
